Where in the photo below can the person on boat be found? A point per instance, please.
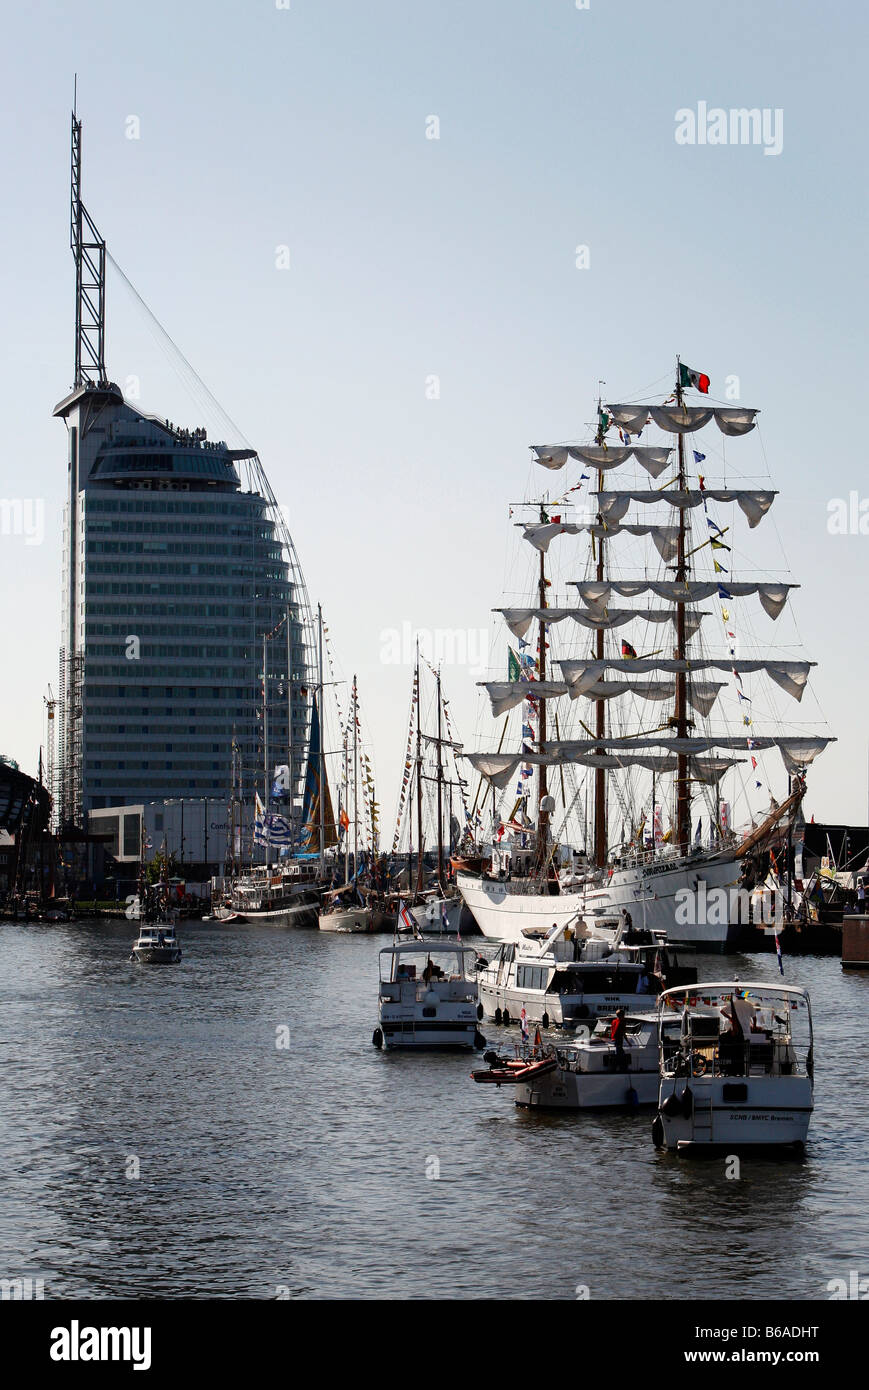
(618, 1029)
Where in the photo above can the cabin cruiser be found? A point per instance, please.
(157, 944)
(428, 996)
(564, 978)
(739, 1070)
(595, 1073)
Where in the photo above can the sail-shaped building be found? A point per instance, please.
(186, 624)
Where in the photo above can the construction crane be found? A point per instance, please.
(50, 768)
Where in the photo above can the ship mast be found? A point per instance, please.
(542, 815)
(683, 797)
(440, 770)
(600, 827)
(419, 844)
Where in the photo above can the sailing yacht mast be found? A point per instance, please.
(683, 795)
(355, 785)
(347, 804)
(292, 818)
(322, 765)
(265, 744)
(440, 791)
(419, 844)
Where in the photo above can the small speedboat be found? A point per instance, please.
(736, 1067)
(157, 944)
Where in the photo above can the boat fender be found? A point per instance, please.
(672, 1105)
(505, 1017)
(632, 1100)
(497, 1015)
(377, 1037)
(479, 1040)
(658, 1132)
(479, 1011)
(490, 1057)
(545, 1020)
(687, 1102)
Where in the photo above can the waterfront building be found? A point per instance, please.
(184, 655)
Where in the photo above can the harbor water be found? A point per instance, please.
(224, 1129)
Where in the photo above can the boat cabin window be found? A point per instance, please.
(531, 977)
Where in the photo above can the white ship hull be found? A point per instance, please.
(502, 914)
(648, 892)
(357, 919)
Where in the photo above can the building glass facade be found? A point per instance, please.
(174, 572)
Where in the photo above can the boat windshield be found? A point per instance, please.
(735, 1030)
(426, 963)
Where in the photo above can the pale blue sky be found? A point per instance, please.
(410, 257)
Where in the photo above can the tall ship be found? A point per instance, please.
(640, 707)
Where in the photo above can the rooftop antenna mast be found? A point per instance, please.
(89, 251)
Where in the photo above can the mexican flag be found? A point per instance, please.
(688, 377)
(514, 670)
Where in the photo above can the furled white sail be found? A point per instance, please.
(519, 620)
(755, 503)
(790, 675)
(500, 768)
(773, 597)
(505, 695)
(665, 538)
(680, 419)
(617, 617)
(700, 694)
(603, 456)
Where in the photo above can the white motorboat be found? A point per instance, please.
(359, 918)
(428, 996)
(739, 1070)
(592, 1074)
(157, 944)
(565, 979)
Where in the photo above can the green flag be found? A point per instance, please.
(514, 671)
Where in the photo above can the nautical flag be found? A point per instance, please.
(778, 954)
(627, 649)
(343, 819)
(688, 377)
(445, 921)
(538, 1041)
(698, 834)
(523, 1024)
(406, 917)
(699, 458)
(724, 593)
(513, 671)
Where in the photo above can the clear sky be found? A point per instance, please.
(411, 258)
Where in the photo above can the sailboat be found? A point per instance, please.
(285, 888)
(346, 909)
(663, 880)
(431, 781)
